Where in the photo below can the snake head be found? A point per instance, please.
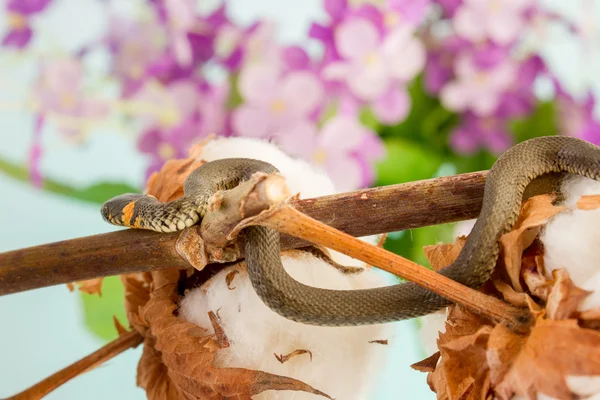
(120, 210)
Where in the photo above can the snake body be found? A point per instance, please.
(505, 186)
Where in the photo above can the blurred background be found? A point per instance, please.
(96, 94)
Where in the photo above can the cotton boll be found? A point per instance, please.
(572, 239)
(301, 177)
(344, 365)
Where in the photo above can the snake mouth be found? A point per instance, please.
(119, 210)
(108, 215)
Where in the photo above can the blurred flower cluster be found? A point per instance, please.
(331, 106)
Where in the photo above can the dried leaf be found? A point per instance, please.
(594, 313)
(564, 297)
(534, 214)
(462, 372)
(222, 340)
(137, 293)
(120, 328)
(380, 341)
(518, 299)
(589, 202)
(532, 271)
(382, 240)
(191, 247)
(90, 286)
(442, 255)
(229, 278)
(167, 184)
(177, 362)
(522, 365)
(590, 318)
(427, 364)
(284, 358)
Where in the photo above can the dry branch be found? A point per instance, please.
(286, 219)
(39, 390)
(359, 213)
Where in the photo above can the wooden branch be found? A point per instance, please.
(287, 219)
(360, 213)
(39, 390)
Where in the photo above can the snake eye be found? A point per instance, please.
(106, 213)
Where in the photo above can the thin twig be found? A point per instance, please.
(287, 219)
(360, 213)
(128, 340)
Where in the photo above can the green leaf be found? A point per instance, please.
(235, 97)
(97, 193)
(406, 161)
(428, 122)
(410, 243)
(98, 311)
(368, 119)
(540, 123)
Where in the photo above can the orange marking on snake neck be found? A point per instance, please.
(128, 213)
(137, 223)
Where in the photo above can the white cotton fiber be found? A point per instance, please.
(300, 176)
(572, 240)
(344, 364)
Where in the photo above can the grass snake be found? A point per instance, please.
(515, 170)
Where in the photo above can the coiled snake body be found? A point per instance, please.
(504, 189)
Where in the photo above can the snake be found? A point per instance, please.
(516, 170)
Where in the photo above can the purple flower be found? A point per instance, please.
(498, 20)
(35, 153)
(475, 133)
(165, 144)
(27, 7)
(338, 148)
(449, 7)
(478, 90)
(166, 106)
(577, 119)
(410, 12)
(18, 12)
(375, 70)
(336, 9)
(439, 68)
(370, 64)
(273, 100)
(519, 100)
(135, 45)
(59, 95)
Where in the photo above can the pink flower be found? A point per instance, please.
(273, 100)
(577, 118)
(476, 89)
(59, 93)
(19, 11)
(475, 133)
(372, 65)
(136, 45)
(181, 18)
(334, 148)
(498, 20)
(375, 69)
(410, 12)
(166, 106)
(201, 112)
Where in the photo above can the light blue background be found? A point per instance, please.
(42, 331)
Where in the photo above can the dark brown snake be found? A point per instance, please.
(504, 189)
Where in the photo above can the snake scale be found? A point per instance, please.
(505, 185)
